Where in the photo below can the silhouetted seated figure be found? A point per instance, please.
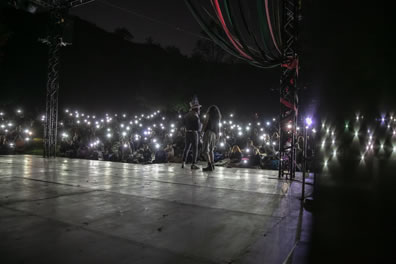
(160, 156)
(255, 159)
(145, 155)
(235, 157)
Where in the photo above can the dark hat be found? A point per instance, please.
(195, 103)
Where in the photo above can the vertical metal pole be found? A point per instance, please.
(304, 163)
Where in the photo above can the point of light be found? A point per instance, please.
(308, 121)
(268, 123)
(221, 144)
(124, 133)
(109, 135)
(157, 146)
(245, 161)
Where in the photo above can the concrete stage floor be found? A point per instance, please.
(82, 211)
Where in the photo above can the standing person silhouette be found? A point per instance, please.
(192, 126)
(211, 128)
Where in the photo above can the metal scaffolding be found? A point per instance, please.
(54, 41)
(289, 91)
(58, 11)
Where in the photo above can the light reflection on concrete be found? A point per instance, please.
(206, 217)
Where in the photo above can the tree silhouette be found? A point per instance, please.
(123, 33)
(206, 50)
(173, 50)
(5, 34)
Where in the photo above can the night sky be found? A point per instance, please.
(342, 43)
(168, 22)
(343, 62)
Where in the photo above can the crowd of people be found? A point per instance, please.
(186, 138)
(157, 137)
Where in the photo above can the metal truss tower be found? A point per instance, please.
(58, 11)
(54, 41)
(289, 91)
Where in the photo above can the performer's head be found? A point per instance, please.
(194, 105)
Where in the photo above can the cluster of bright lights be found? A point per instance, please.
(144, 127)
(372, 146)
(154, 127)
